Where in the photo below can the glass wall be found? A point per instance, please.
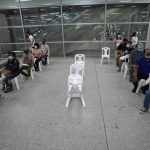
(71, 26)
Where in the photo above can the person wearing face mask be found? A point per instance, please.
(37, 53)
(27, 64)
(12, 67)
(134, 40)
(46, 51)
(126, 54)
(142, 71)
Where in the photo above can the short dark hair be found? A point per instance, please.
(125, 40)
(37, 44)
(12, 54)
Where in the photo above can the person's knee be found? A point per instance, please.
(148, 93)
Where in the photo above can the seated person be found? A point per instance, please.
(28, 62)
(11, 70)
(45, 49)
(126, 54)
(146, 102)
(135, 55)
(142, 71)
(121, 50)
(37, 53)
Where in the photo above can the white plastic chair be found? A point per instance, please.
(76, 69)
(105, 54)
(125, 67)
(75, 88)
(17, 84)
(80, 59)
(32, 76)
(142, 83)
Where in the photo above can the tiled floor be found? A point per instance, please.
(35, 118)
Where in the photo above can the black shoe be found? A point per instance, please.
(134, 90)
(143, 110)
(8, 90)
(3, 88)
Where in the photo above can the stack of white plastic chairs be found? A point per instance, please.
(75, 79)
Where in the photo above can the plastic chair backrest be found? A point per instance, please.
(79, 57)
(105, 51)
(76, 69)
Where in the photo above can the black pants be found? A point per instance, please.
(25, 68)
(7, 80)
(36, 64)
(44, 60)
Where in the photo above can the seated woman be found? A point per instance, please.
(37, 53)
(11, 70)
(142, 71)
(28, 62)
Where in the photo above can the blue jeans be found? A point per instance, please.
(147, 100)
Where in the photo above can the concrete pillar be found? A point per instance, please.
(148, 37)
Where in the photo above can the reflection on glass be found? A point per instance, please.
(9, 4)
(87, 48)
(141, 30)
(5, 48)
(127, 13)
(11, 35)
(39, 3)
(50, 33)
(83, 14)
(56, 49)
(83, 32)
(10, 17)
(41, 16)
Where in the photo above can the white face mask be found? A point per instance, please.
(127, 45)
(10, 57)
(35, 46)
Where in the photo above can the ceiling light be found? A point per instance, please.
(12, 6)
(125, 1)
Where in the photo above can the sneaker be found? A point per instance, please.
(143, 110)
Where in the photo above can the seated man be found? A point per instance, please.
(45, 49)
(28, 62)
(126, 55)
(12, 70)
(142, 71)
(37, 53)
(146, 102)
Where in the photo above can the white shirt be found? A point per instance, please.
(134, 40)
(45, 49)
(32, 41)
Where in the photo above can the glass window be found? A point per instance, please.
(126, 31)
(5, 48)
(11, 35)
(50, 33)
(87, 48)
(41, 16)
(39, 3)
(10, 17)
(9, 4)
(83, 14)
(83, 32)
(127, 13)
(56, 49)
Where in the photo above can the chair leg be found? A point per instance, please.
(32, 74)
(67, 102)
(83, 102)
(101, 61)
(125, 72)
(40, 68)
(48, 60)
(139, 85)
(16, 82)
